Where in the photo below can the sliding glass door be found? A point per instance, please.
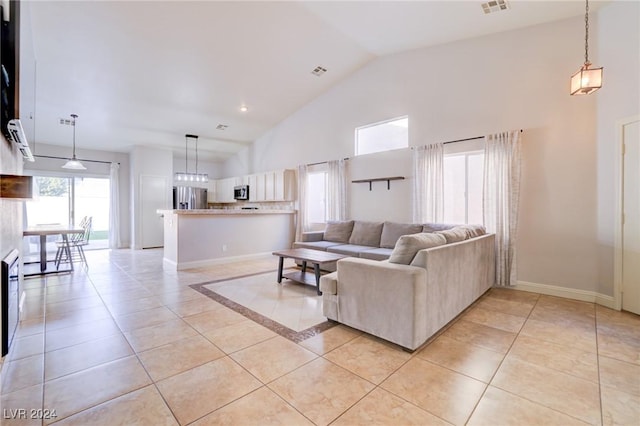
(67, 200)
(91, 199)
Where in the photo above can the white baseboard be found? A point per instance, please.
(568, 293)
(169, 265)
(180, 266)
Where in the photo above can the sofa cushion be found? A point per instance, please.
(338, 232)
(408, 245)
(376, 254)
(366, 233)
(474, 231)
(391, 231)
(433, 227)
(454, 235)
(348, 249)
(315, 245)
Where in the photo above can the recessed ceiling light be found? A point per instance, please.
(244, 108)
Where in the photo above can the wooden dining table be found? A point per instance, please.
(51, 229)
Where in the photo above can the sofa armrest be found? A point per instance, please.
(312, 236)
(385, 299)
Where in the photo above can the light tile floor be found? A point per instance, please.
(128, 343)
(291, 304)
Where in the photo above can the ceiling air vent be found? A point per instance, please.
(66, 122)
(318, 71)
(495, 6)
(221, 127)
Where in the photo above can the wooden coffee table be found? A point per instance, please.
(316, 257)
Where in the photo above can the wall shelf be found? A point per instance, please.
(370, 181)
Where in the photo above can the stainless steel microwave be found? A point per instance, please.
(241, 192)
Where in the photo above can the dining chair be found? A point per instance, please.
(77, 242)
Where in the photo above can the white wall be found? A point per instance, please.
(27, 73)
(618, 43)
(147, 162)
(513, 80)
(53, 167)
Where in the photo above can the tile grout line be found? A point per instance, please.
(598, 365)
(226, 355)
(132, 349)
(153, 382)
(521, 396)
(475, 407)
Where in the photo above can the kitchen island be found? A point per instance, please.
(197, 238)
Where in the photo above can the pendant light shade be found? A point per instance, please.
(74, 164)
(186, 177)
(586, 80)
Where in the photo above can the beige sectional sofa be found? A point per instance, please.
(367, 240)
(427, 280)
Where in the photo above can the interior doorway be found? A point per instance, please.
(628, 248)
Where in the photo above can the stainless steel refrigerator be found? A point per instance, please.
(189, 198)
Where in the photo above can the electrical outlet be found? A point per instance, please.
(224, 247)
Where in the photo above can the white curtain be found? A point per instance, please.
(500, 199)
(114, 207)
(428, 187)
(337, 190)
(301, 222)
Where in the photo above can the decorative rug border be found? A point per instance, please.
(286, 332)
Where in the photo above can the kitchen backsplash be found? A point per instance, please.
(282, 205)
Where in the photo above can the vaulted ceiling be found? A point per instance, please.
(146, 73)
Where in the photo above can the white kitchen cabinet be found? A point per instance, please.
(270, 186)
(211, 191)
(278, 185)
(284, 185)
(256, 187)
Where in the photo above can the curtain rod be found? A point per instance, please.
(79, 159)
(467, 139)
(323, 162)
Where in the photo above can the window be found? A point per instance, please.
(66, 200)
(383, 136)
(317, 197)
(463, 175)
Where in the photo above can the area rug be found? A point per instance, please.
(290, 309)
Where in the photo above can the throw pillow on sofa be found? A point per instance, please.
(366, 233)
(454, 235)
(408, 245)
(474, 230)
(392, 231)
(433, 227)
(338, 232)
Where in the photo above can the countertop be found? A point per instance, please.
(225, 212)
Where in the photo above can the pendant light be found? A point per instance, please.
(586, 80)
(74, 164)
(186, 176)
